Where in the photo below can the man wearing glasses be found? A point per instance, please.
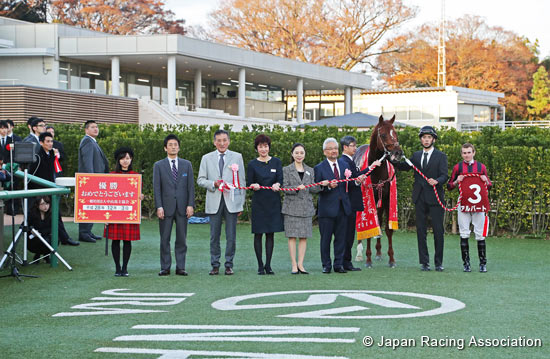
(38, 126)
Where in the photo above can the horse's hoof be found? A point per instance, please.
(368, 265)
(378, 258)
(359, 258)
(392, 264)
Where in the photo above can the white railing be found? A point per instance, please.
(542, 124)
(477, 126)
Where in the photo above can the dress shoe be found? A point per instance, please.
(70, 242)
(261, 271)
(467, 268)
(340, 270)
(181, 272)
(269, 271)
(303, 271)
(125, 273)
(86, 239)
(229, 271)
(352, 269)
(425, 268)
(439, 268)
(214, 271)
(297, 272)
(118, 273)
(97, 238)
(326, 270)
(164, 272)
(482, 268)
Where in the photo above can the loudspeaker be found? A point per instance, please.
(24, 152)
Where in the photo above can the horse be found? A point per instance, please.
(383, 144)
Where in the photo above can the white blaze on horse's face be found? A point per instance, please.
(392, 135)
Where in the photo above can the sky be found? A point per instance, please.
(528, 18)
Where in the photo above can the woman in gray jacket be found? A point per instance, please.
(298, 207)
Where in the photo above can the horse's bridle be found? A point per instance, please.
(386, 152)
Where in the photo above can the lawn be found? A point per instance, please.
(80, 313)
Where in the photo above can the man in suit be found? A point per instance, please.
(174, 190)
(433, 163)
(91, 159)
(12, 135)
(59, 147)
(216, 170)
(349, 147)
(333, 206)
(4, 153)
(37, 126)
(45, 169)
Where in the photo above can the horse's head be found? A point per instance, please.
(387, 138)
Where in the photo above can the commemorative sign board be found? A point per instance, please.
(474, 195)
(107, 198)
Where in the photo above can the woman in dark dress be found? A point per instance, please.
(40, 218)
(125, 232)
(266, 203)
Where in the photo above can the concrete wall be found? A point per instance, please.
(39, 71)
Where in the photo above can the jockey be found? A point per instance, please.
(467, 215)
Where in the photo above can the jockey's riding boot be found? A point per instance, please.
(465, 250)
(482, 256)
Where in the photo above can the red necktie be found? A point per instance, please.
(336, 174)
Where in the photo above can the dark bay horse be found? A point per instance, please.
(383, 144)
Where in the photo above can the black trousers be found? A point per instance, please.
(329, 226)
(436, 213)
(350, 238)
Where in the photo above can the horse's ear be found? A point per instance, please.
(392, 119)
(380, 119)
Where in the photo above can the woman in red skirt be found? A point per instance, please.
(124, 232)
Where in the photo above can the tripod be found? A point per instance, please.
(27, 231)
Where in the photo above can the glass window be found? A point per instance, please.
(465, 113)
(339, 109)
(139, 85)
(401, 113)
(482, 113)
(93, 79)
(327, 110)
(415, 113)
(64, 75)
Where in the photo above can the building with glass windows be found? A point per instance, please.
(163, 78)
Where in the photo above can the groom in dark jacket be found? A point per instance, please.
(433, 163)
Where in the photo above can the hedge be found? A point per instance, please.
(518, 162)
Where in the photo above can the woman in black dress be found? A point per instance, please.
(266, 203)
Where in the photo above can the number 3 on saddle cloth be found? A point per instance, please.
(475, 198)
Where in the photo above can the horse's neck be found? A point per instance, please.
(375, 153)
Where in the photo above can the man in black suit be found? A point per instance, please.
(433, 163)
(91, 159)
(12, 135)
(45, 169)
(4, 153)
(59, 147)
(333, 207)
(349, 147)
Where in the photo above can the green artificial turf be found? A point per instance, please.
(511, 300)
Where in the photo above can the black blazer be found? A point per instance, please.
(354, 191)
(437, 169)
(44, 168)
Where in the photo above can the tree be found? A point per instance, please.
(477, 56)
(117, 17)
(336, 33)
(31, 11)
(539, 105)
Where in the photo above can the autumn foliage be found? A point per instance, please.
(117, 17)
(478, 57)
(335, 33)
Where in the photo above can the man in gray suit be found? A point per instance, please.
(216, 169)
(174, 188)
(37, 127)
(91, 159)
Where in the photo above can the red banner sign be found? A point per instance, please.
(107, 198)
(474, 195)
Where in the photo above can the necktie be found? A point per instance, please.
(336, 174)
(3, 142)
(174, 170)
(221, 164)
(425, 160)
(470, 167)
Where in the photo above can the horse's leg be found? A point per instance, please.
(368, 264)
(389, 234)
(380, 212)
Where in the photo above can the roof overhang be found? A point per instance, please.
(149, 54)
